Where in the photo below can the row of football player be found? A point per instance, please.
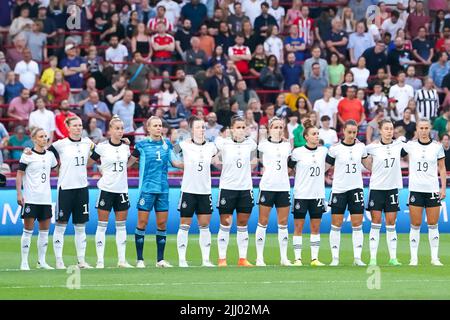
(237, 153)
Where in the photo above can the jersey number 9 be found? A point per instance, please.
(43, 177)
(423, 166)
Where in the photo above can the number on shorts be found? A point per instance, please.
(386, 163)
(359, 196)
(434, 195)
(124, 197)
(423, 166)
(315, 171)
(320, 203)
(43, 177)
(394, 198)
(86, 211)
(353, 168)
(239, 163)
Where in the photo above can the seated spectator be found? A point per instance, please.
(140, 42)
(326, 133)
(218, 56)
(196, 59)
(399, 57)
(73, 67)
(27, 70)
(166, 93)
(351, 108)
(269, 113)
(264, 21)
(243, 94)
(361, 73)
(160, 17)
(375, 57)
(338, 39)
(274, 45)
(293, 95)
(48, 75)
(60, 89)
(116, 91)
(314, 85)
(61, 130)
(20, 107)
(327, 106)
(207, 43)
(349, 82)
(92, 131)
(408, 124)
(185, 85)
(307, 66)
(163, 45)
(271, 77)
(439, 69)
(138, 73)
(125, 110)
(143, 109)
(282, 110)
(258, 61)
(445, 140)
(15, 54)
(116, 54)
(42, 118)
(359, 42)
(303, 106)
(224, 38)
(94, 108)
(291, 71)
(212, 127)
(336, 70)
(12, 87)
(411, 78)
(373, 130)
(213, 84)
(240, 54)
(4, 68)
(391, 112)
(295, 44)
(173, 117)
(19, 139)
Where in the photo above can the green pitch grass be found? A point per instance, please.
(271, 282)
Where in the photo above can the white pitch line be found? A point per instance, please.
(159, 284)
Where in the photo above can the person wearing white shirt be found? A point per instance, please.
(393, 24)
(173, 10)
(28, 70)
(117, 52)
(273, 45)
(377, 98)
(326, 134)
(43, 118)
(402, 92)
(278, 13)
(252, 9)
(327, 106)
(361, 73)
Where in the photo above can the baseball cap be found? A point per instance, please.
(68, 47)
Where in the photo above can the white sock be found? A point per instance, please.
(297, 244)
(414, 239)
(42, 244)
(25, 243)
(223, 237)
(58, 241)
(433, 237)
(100, 241)
(260, 238)
(358, 240)
(374, 239)
(205, 242)
(283, 240)
(391, 238)
(315, 245)
(80, 242)
(242, 241)
(121, 240)
(182, 241)
(335, 241)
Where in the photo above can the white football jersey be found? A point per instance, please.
(197, 167)
(386, 169)
(309, 172)
(114, 160)
(236, 163)
(347, 166)
(36, 181)
(275, 157)
(423, 165)
(73, 156)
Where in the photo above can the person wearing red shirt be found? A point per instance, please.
(440, 43)
(240, 54)
(61, 131)
(163, 45)
(60, 89)
(160, 17)
(305, 26)
(351, 108)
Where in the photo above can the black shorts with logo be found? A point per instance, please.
(383, 200)
(315, 208)
(279, 199)
(239, 200)
(111, 200)
(41, 212)
(191, 203)
(424, 199)
(353, 199)
(73, 202)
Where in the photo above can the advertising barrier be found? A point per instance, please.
(11, 223)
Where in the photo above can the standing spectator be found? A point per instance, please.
(338, 39)
(224, 38)
(427, 100)
(4, 68)
(185, 85)
(336, 70)
(94, 108)
(196, 58)
(445, 140)
(440, 124)
(375, 57)
(278, 13)
(15, 54)
(142, 109)
(163, 46)
(274, 45)
(293, 13)
(183, 38)
(407, 124)
(117, 54)
(27, 70)
(213, 24)
(423, 49)
(327, 106)
(160, 17)
(116, 91)
(359, 8)
(293, 96)
(373, 131)
(140, 41)
(48, 76)
(138, 73)
(166, 93)
(125, 110)
(439, 46)
(264, 21)
(172, 10)
(252, 9)
(258, 61)
(92, 131)
(305, 26)
(236, 20)
(240, 54)
(291, 71)
(213, 84)
(20, 107)
(19, 139)
(243, 94)
(439, 69)
(393, 24)
(194, 11)
(37, 41)
(315, 85)
(271, 76)
(21, 23)
(416, 19)
(113, 28)
(83, 97)
(295, 44)
(212, 127)
(101, 16)
(12, 87)
(399, 58)
(60, 89)
(173, 117)
(307, 66)
(207, 43)
(361, 73)
(402, 92)
(61, 130)
(411, 78)
(42, 118)
(326, 133)
(359, 42)
(377, 99)
(351, 108)
(348, 82)
(73, 67)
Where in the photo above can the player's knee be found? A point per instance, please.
(161, 225)
(263, 220)
(142, 224)
(377, 220)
